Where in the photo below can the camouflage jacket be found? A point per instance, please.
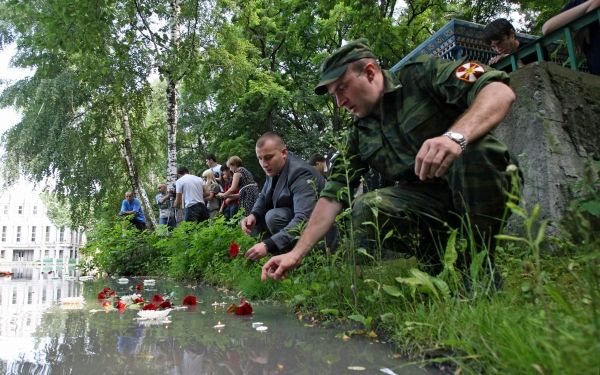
(421, 101)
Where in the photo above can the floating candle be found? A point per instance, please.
(219, 325)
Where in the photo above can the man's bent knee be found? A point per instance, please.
(278, 218)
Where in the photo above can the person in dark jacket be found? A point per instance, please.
(286, 200)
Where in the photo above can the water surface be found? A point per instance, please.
(39, 336)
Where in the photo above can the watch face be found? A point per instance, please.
(456, 136)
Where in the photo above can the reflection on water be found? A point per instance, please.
(38, 337)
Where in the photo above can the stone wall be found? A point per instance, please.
(552, 129)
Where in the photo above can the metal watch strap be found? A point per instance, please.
(460, 140)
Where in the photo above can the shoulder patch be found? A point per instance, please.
(469, 72)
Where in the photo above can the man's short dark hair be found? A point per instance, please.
(497, 30)
(182, 170)
(315, 158)
(278, 139)
(211, 157)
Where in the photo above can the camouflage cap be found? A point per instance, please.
(335, 65)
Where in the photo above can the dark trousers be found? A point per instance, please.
(170, 221)
(471, 196)
(140, 225)
(278, 218)
(196, 212)
(230, 210)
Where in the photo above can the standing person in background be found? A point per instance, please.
(231, 204)
(191, 189)
(243, 181)
(587, 40)
(213, 203)
(166, 212)
(211, 162)
(132, 206)
(318, 161)
(501, 36)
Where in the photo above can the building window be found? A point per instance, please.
(19, 234)
(20, 210)
(62, 234)
(6, 209)
(46, 253)
(4, 229)
(48, 233)
(2, 254)
(35, 210)
(33, 230)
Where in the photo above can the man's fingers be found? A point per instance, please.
(419, 159)
(267, 269)
(426, 166)
(435, 158)
(279, 273)
(267, 266)
(444, 165)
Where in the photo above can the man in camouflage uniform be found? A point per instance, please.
(425, 130)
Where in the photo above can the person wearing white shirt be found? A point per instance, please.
(190, 191)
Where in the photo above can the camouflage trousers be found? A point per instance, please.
(421, 213)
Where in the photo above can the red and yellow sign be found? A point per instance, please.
(469, 72)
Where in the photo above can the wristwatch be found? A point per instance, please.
(458, 138)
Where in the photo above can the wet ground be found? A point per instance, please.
(41, 335)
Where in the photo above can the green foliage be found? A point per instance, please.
(192, 247)
(57, 212)
(120, 249)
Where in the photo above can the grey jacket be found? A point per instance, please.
(295, 189)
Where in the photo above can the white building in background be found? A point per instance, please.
(26, 232)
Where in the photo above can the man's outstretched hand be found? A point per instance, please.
(277, 267)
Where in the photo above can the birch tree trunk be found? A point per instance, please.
(138, 189)
(172, 104)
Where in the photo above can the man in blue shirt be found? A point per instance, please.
(132, 208)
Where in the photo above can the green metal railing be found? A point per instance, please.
(539, 48)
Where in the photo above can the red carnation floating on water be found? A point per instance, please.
(234, 250)
(138, 300)
(139, 287)
(121, 306)
(149, 306)
(243, 309)
(189, 300)
(157, 299)
(106, 293)
(165, 305)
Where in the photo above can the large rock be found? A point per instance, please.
(553, 128)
